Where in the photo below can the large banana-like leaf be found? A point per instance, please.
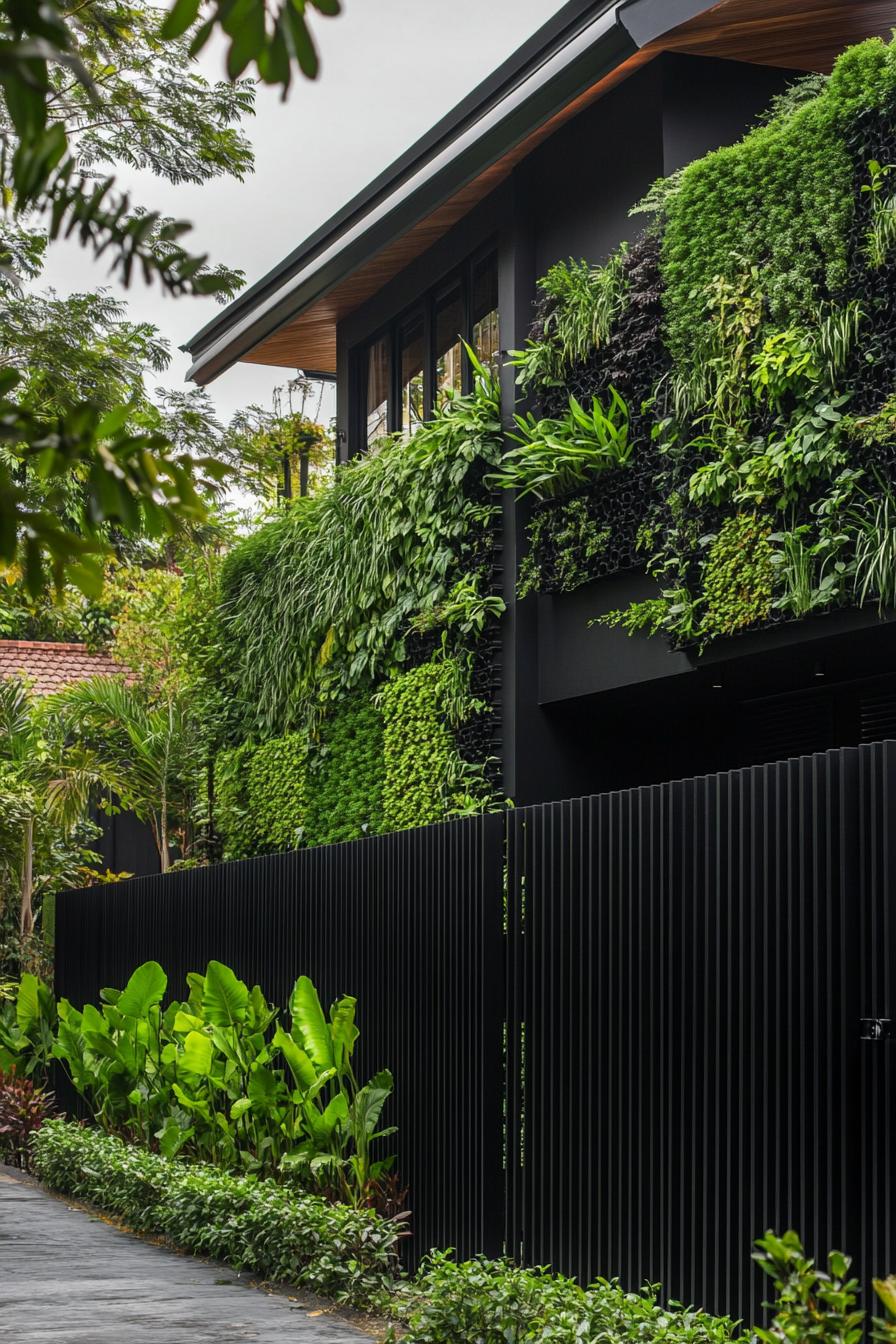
(308, 1017)
(369, 1102)
(145, 988)
(323, 1123)
(32, 1006)
(197, 1054)
(300, 1066)
(224, 997)
(184, 1022)
(343, 1031)
(262, 1089)
(261, 1013)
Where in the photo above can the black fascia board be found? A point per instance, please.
(490, 90)
(646, 20)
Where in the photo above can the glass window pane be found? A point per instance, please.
(412, 376)
(448, 349)
(486, 335)
(378, 373)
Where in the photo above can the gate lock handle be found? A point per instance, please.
(878, 1029)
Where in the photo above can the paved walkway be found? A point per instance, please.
(69, 1278)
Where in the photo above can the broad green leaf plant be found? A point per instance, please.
(216, 1077)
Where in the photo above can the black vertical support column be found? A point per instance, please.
(516, 288)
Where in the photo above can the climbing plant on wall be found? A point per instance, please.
(346, 628)
(752, 337)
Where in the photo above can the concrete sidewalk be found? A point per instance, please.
(69, 1278)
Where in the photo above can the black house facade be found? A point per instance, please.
(543, 162)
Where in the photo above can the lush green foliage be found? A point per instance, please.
(818, 1304)
(555, 456)
(782, 199)
(253, 1225)
(760, 422)
(216, 1077)
(45, 784)
(262, 796)
(23, 1109)
(323, 648)
(493, 1301)
(577, 544)
(345, 774)
(737, 580)
(75, 95)
(319, 602)
(421, 760)
(580, 304)
(144, 752)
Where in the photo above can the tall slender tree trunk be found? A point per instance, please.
(163, 833)
(26, 911)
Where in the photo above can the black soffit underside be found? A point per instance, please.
(585, 40)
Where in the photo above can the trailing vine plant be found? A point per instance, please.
(346, 627)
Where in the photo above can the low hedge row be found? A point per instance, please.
(256, 1225)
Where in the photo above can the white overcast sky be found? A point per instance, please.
(389, 70)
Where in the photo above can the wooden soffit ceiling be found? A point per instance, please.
(793, 34)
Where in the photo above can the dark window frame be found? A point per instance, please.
(460, 276)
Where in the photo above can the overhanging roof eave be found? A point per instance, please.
(596, 39)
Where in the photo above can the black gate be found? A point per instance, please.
(689, 964)
(625, 1029)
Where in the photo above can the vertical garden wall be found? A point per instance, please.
(717, 403)
(356, 659)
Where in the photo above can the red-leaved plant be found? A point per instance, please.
(23, 1109)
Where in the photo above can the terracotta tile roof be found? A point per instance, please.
(49, 667)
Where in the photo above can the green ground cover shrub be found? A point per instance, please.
(493, 1302)
(262, 797)
(421, 758)
(345, 774)
(259, 1226)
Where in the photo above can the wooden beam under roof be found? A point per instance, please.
(793, 34)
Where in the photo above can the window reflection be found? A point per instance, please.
(448, 349)
(486, 336)
(412, 405)
(378, 373)
(408, 373)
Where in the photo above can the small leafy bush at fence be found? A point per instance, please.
(23, 1109)
(255, 1225)
(496, 1302)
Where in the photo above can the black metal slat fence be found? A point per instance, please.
(408, 923)
(625, 1029)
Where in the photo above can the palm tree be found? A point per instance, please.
(45, 786)
(145, 752)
